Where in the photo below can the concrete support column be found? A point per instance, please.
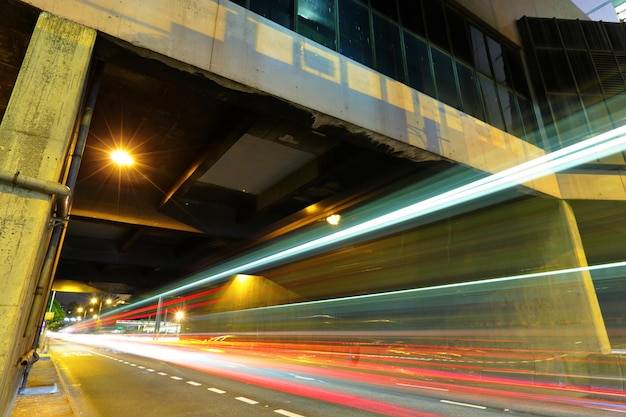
(581, 301)
(35, 135)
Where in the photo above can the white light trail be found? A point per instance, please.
(590, 149)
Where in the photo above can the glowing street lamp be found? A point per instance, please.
(122, 158)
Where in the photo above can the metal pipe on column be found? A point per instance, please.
(44, 284)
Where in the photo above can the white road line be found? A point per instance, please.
(149, 370)
(161, 373)
(217, 391)
(126, 363)
(464, 404)
(133, 364)
(246, 400)
(421, 386)
(304, 377)
(141, 367)
(287, 413)
(176, 378)
(194, 383)
(607, 409)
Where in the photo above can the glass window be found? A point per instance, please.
(436, 23)
(594, 33)
(445, 79)
(556, 73)
(316, 21)
(479, 49)
(492, 106)
(387, 48)
(515, 69)
(572, 34)
(584, 72)
(279, 11)
(497, 60)
(544, 32)
(354, 32)
(386, 7)
(510, 111)
(617, 108)
(569, 117)
(461, 45)
(530, 121)
(470, 94)
(240, 2)
(418, 64)
(597, 112)
(412, 17)
(617, 36)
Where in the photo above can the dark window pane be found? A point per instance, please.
(492, 106)
(444, 79)
(388, 50)
(617, 36)
(529, 120)
(461, 45)
(594, 33)
(279, 11)
(544, 32)
(316, 21)
(515, 69)
(386, 7)
(497, 60)
(479, 50)
(584, 72)
(354, 32)
(572, 34)
(436, 23)
(470, 94)
(240, 2)
(512, 117)
(555, 70)
(411, 16)
(418, 64)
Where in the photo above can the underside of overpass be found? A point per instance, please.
(217, 169)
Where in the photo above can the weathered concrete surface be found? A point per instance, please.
(243, 50)
(34, 139)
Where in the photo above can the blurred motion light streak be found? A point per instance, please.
(593, 148)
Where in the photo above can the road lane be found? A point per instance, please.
(212, 383)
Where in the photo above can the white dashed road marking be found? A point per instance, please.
(464, 404)
(246, 400)
(251, 401)
(217, 391)
(287, 413)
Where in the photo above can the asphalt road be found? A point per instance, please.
(111, 378)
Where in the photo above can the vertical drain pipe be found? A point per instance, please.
(50, 262)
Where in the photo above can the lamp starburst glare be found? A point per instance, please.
(121, 157)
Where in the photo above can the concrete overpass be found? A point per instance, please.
(242, 131)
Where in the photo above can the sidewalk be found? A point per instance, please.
(44, 394)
